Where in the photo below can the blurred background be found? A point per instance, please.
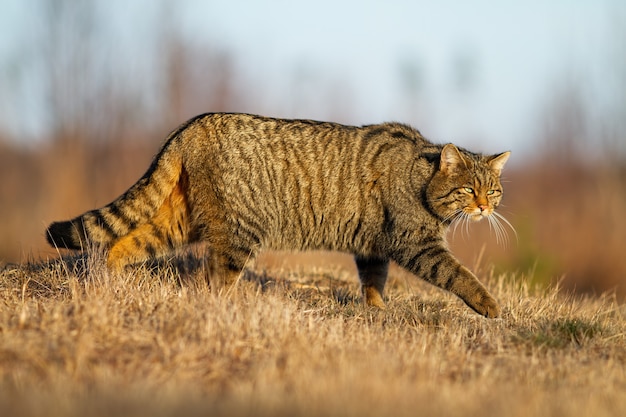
(89, 89)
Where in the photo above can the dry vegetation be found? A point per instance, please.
(76, 340)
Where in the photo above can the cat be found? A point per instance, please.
(241, 183)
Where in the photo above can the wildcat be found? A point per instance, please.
(241, 183)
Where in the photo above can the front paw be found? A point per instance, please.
(487, 307)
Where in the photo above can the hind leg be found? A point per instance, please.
(226, 255)
(223, 272)
(226, 261)
(373, 276)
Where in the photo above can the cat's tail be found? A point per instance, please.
(135, 208)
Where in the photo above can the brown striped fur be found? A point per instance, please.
(241, 183)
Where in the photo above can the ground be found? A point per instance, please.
(293, 338)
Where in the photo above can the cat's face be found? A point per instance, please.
(466, 186)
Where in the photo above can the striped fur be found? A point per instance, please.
(241, 183)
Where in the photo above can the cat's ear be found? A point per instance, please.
(497, 161)
(451, 159)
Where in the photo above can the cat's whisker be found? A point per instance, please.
(452, 217)
(501, 235)
(500, 218)
(456, 219)
(465, 220)
(496, 223)
(493, 228)
(468, 220)
(453, 226)
(461, 219)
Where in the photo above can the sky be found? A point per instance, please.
(478, 73)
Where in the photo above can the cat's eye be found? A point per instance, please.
(468, 190)
(491, 192)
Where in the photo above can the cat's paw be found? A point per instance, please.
(373, 297)
(487, 307)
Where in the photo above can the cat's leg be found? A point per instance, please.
(373, 276)
(434, 263)
(225, 266)
(226, 256)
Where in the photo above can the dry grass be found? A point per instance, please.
(76, 340)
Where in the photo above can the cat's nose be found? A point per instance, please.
(483, 207)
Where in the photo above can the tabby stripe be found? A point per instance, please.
(398, 134)
(373, 134)
(158, 233)
(451, 278)
(413, 263)
(356, 231)
(380, 149)
(248, 222)
(121, 216)
(154, 187)
(269, 171)
(247, 235)
(246, 226)
(150, 250)
(312, 208)
(304, 192)
(101, 223)
(434, 274)
(363, 146)
(237, 257)
(388, 221)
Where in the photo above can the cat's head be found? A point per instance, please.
(466, 185)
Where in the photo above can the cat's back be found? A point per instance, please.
(260, 150)
(238, 140)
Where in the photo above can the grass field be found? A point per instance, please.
(292, 338)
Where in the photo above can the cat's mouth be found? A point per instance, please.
(477, 214)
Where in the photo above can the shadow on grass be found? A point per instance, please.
(561, 333)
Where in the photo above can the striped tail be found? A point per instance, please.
(134, 208)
